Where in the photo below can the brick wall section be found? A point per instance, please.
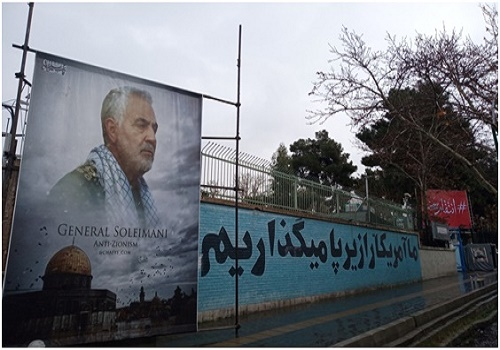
(8, 212)
(285, 259)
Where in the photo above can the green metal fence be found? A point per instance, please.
(260, 185)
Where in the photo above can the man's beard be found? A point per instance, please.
(146, 163)
(141, 163)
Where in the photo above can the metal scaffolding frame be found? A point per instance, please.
(236, 187)
(10, 153)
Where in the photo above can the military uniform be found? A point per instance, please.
(79, 192)
(99, 192)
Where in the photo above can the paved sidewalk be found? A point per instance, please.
(326, 323)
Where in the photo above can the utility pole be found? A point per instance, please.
(11, 151)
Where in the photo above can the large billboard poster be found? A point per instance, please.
(105, 235)
(451, 207)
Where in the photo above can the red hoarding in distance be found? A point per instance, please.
(451, 207)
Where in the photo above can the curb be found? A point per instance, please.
(400, 328)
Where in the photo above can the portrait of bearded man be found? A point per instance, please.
(110, 182)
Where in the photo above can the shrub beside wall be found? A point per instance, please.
(285, 259)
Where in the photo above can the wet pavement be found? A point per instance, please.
(328, 322)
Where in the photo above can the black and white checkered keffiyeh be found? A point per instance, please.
(119, 199)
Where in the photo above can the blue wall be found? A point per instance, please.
(284, 257)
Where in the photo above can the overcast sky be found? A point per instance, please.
(194, 46)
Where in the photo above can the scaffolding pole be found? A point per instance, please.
(236, 187)
(11, 152)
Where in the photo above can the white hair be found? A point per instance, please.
(115, 103)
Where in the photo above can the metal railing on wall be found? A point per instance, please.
(261, 185)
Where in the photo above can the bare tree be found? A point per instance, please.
(467, 72)
(211, 192)
(252, 185)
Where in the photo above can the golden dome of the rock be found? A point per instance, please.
(70, 260)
